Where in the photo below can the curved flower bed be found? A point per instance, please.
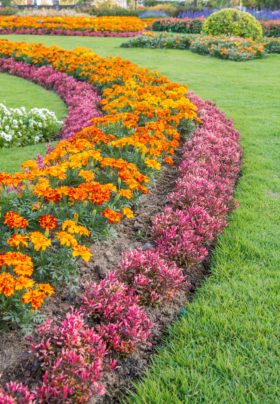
(75, 26)
(111, 320)
(86, 183)
(81, 98)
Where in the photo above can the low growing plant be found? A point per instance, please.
(19, 127)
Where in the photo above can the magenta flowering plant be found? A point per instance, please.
(182, 235)
(72, 359)
(80, 97)
(13, 393)
(116, 315)
(68, 32)
(151, 278)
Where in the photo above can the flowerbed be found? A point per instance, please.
(271, 28)
(19, 127)
(179, 25)
(111, 320)
(233, 48)
(81, 98)
(80, 26)
(89, 182)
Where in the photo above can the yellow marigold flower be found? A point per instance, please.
(128, 213)
(18, 240)
(66, 239)
(73, 228)
(82, 251)
(36, 206)
(126, 193)
(153, 164)
(39, 241)
(23, 282)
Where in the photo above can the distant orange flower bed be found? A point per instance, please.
(86, 24)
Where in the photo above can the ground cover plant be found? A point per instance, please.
(237, 303)
(19, 127)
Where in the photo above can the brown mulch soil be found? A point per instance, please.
(15, 362)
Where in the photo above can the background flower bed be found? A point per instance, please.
(81, 26)
(19, 127)
(194, 26)
(233, 48)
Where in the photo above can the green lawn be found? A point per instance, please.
(226, 349)
(17, 92)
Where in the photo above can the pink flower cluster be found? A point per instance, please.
(74, 353)
(73, 359)
(150, 277)
(120, 320)
(203, 194)
(81, 98)
(68, 32)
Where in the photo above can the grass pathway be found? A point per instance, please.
(226, 348)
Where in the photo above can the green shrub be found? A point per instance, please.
(232, 22)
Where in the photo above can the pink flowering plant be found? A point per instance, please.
(115, 313)
(151, 278)
(72, 359)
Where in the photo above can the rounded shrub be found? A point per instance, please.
(232, 22)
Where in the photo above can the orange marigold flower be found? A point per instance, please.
(169, 160)
(112, 215)
(18, 240)
(46, 287)
(87, 175)
(39, 241)
(35, 297)
(48, 222)
(82, 251)
(7, 284)
(128, 213)
(66, 239)
(21, 263)
(14, 220)
(51, 195)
